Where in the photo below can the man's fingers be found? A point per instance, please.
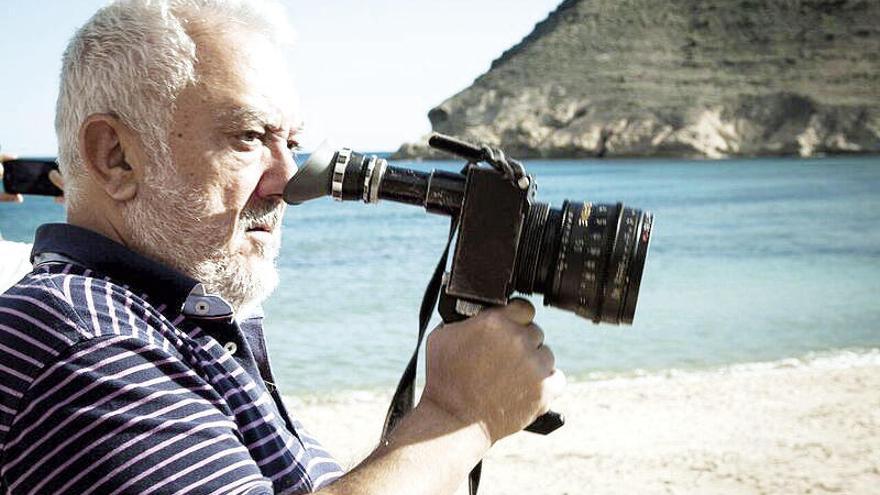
(547, 359)
(11, 198)
(534, 336)
(58, 180)
(4, 196)
(55, 177)
(520, 311)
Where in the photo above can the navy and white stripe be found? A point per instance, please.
(105, 388)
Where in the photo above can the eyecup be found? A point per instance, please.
(312, 180)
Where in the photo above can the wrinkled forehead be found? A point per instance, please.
(243, 75)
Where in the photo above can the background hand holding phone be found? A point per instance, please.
(29, 177)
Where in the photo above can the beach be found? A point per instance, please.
(790, 426)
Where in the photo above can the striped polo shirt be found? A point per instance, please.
(119, 375)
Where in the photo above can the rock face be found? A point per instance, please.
(688, 78)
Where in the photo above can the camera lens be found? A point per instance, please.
(586, 258)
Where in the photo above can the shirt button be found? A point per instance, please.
(230, 347)
(202, 307)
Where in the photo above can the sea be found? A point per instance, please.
(753, 262)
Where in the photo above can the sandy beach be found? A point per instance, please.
(783, 427)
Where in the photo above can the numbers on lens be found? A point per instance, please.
(585, 214)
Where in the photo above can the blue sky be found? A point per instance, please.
(381, 63)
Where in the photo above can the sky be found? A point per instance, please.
(367, 71)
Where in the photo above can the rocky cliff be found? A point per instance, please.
(692, 78)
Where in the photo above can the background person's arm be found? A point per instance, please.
(15, 262)
(15, 255)
(488, 377)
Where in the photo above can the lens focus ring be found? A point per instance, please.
(342, 159)
(588, 260)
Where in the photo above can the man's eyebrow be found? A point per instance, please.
(235, 117)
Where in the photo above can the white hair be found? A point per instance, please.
(132, 59)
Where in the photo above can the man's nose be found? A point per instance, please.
(281, 168)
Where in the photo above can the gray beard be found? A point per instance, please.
(165, 225)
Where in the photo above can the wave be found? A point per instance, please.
(815, 360)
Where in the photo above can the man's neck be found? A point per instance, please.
(94, 219)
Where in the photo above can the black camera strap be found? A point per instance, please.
(405, 395)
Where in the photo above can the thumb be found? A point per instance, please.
(57, 179)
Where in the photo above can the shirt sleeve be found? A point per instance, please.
(117, 415)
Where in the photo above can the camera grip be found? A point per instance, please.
(546, 423)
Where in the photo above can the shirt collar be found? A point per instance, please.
(111, 259)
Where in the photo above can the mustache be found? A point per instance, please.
(264, 213)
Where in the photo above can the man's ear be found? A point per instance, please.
(102, 138)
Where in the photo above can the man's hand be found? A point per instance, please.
(488, 377)
(493, 370)
(54, 176)
(4, 196)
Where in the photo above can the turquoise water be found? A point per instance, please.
(751, 260)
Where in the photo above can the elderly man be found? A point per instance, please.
(132, 357)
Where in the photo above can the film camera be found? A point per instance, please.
(583, 257)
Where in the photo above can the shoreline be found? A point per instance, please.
(809, 425)
(824, 359)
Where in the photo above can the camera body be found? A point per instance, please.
(491, 220)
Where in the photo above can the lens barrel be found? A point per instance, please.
(367, 178)
(586, 258)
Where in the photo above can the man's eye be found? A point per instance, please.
(293, 146)
(251, 136)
